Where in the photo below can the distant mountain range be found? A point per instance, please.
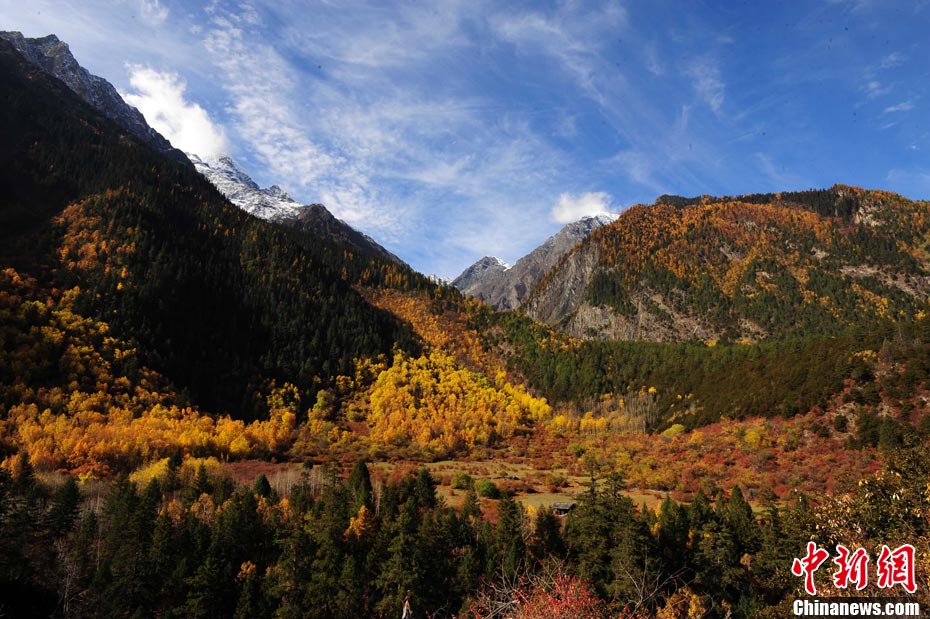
(746, 268)
(225, 304)
(505, 287)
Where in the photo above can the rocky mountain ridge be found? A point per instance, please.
(53, 56)
(505, 287)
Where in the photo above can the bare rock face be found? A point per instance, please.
(564, 292)
(481, 277)
(54, 57)
(561, 301)
(504, 287)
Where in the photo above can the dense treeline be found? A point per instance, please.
(695, 383)
(197, 546)
(442, 409)
(840, 201)
(75, 397)
(833, 202)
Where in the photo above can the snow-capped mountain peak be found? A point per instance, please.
(603, 219)
(274, 204)
(277, 192)
(233, 182)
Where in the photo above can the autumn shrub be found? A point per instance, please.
(552, 594)
(487, 489)
(557, 480)
(461, 481)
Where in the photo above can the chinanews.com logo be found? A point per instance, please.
(894, 571)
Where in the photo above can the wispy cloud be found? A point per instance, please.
(707, 82)
(640, 166)
(894, 59)
(350, 130)
(904, 106)
(914, 182)
(433, 27)
(856, 6)
(573, 40)
(651, 57)
(153, 11)
(779, 175)
(450, 129)
(160, 96)
(263, 92)
(874, 89)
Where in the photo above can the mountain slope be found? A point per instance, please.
(509, 287)
(317, 220)
(751, 268)
(218, 301)
(54, 57)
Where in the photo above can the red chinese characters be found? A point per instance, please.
(808, 565)
(893, 567)
(851, 567)
(896, 567)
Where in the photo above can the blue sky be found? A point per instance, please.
(450, 130)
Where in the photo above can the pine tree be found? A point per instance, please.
(359, 486)
(509, 552)
(64, 508)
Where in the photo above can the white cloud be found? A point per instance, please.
(160, 98)
(571, 208)
(651, 56)
(856, 6)
(153, 11)
(566, 125)
(904, 106)
(260, 84)
(401, 35)
(375, 139)
(575, 39)
(894, 59)
(269, 108)
(705, 77)
(875, 89)
(640, 166)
